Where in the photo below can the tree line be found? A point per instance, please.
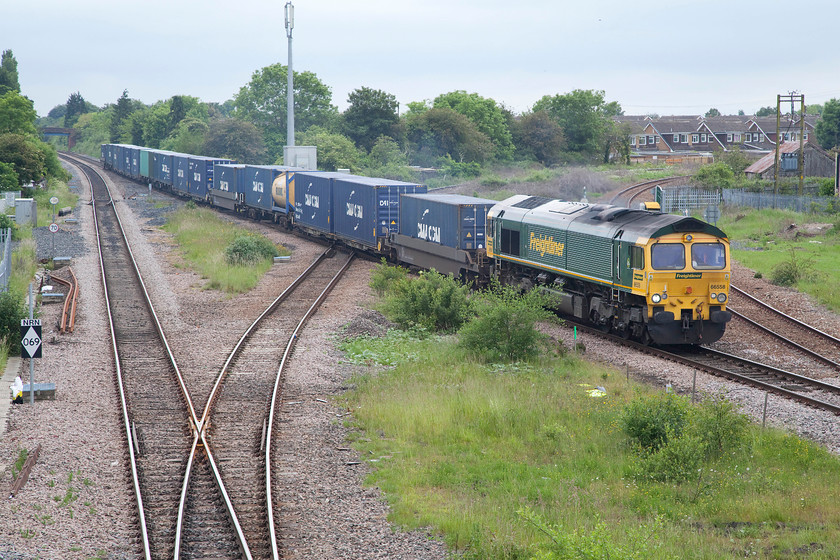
(457, 131)
(24, 158)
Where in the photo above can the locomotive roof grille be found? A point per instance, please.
(532, 202)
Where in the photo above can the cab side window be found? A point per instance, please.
(637, 257)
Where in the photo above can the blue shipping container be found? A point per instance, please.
(228, 180)
(134, 158)
(262, 181)
(162, 167)
(180, 173)
(367, 209)
(200, 175)
(452, 220)
(311, 198)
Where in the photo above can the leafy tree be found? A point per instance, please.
(17, 114)
(439, 132)
(715, 175)
(583, 115)
(387, 160)
(488, 117)
(235, 139)
(58, 112)
(712, 113)
(335, 151)
(92, 130)
(76, 107)
(188, 137)
(741, 113)
(262, 101)
(617, 142)
(122, 112)
(8, 177)
(12, 310)
(538, 136)
(179, 107)
(154, 122)
(22, 151)
(766, 112)
(735, 159)
(814, 109)
(8, 73)
(828, 127)
(372, 113)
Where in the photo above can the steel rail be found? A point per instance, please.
(641, 188)
(275, 396)
(817, 356)
(734, 376)
(802, 324)
(158, 327)
(204, 421)
(135, 476)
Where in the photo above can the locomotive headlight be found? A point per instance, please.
(721, 298)
(713, 296)
(655, 298)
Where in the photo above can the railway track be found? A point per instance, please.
(239, 412)
(809, 391)
(202, 480)
(157, 413)
(634, 192)
(817, 344)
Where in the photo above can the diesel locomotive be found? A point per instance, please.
(658, 278)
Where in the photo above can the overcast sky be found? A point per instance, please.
(652, 56)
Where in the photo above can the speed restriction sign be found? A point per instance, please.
(53, 227)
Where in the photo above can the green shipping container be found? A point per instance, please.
(144, 163)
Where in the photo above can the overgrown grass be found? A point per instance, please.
(767, 241)
(58, 189)
(203, 239)
(478, 452)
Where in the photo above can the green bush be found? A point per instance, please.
(431, 302)
(595, 544)
(385, 277)
(719, 426)
(681, 458)
(248, 250)
(7, 222)
(651, 421)
(790, 271)
(12, 310)
(715, 175)
(504, 328)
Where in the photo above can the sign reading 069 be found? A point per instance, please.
(30, 338)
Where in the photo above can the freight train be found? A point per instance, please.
(657, 278)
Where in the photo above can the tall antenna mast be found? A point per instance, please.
(290, 83)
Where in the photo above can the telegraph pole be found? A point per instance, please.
(290, 83)
(792, 97)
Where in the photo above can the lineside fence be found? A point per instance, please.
(740, 197)
(675, 200)
(6, 263)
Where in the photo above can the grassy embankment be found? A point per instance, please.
(468, 449)
(204, 240)
(765, 240)
(473, 451)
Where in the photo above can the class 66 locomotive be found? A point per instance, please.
(658, 278)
